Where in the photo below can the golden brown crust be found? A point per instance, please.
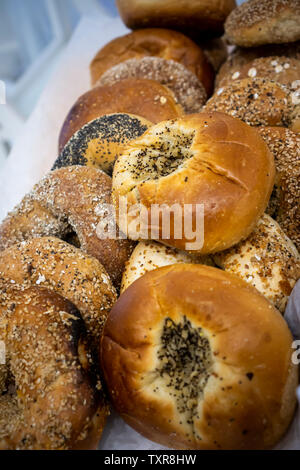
(51, 263)
(259, 22)
(187, 88)
(99, 142)
(71, 199)
(267, 260)
(229, 382)
(256, 101)
(284, 204)
(146, 98)
(193, 17)
(211, 159)
(164, 43)
(55, 400)
(282, 69)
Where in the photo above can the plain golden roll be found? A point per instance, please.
(208, 158)
(194, 358)
(146, 98)
(195, 17)
(267, 260)
(259, 22)
(154, 42)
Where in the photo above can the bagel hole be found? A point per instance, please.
(185, 363)
(167, 154)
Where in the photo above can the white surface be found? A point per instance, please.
(35, 150)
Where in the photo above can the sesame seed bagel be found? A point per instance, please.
(154, 42)
(197, 17)
(187, 88)
(72, 199)
(241, 56)
(146, 98)
(194, 358)
(100, 141)
(258, 22)
(151, 255)
(256, 101)
(48, 397)
(284, 204)
(206, 159)
(54, 264)
(283, 70)
(268, 260)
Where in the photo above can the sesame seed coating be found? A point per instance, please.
(49, 399)
(189, 91)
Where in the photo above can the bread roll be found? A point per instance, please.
(194, 358)
(187, 88)
(268, 260)
(151, 255)
(146, 98)
(257, 101)
(258, 22)
(284, 204)
(156, 42)
(193, 17)
(99, 142)
(210, 159)
(282, 70)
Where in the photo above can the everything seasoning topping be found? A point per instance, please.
(185, 363)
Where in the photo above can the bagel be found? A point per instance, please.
(267, 260)
(154, 42)
(151, 255)
(259, 22)
(67, 200)
(146, 98)
(241, 56)
(194, 358)
(284, 205)
(99, 142)
(55, 404)
(199, 17)
(55, 265)
(209, 159)
(256, 101)
(187, 88)
(283, 70)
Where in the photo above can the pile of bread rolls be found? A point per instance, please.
(188, 344)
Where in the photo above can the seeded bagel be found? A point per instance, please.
(99, 142)
(258, 22)
(194, 358)
(187, 88)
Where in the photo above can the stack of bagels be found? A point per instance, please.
(186, 340)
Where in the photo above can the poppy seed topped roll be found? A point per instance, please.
(195, 358)
(99, 142)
